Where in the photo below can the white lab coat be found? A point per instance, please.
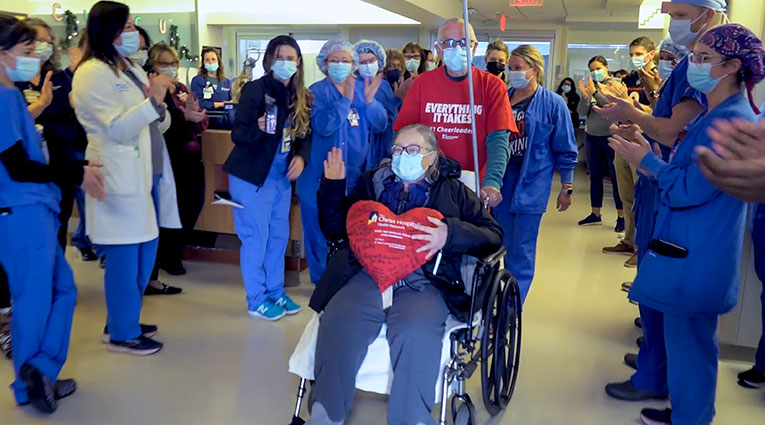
(116, 116)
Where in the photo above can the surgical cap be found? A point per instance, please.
(373, 47)
(735, 41)
(667, 45)
(716, 5)
(333, 46)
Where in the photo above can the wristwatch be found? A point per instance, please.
(570, 191)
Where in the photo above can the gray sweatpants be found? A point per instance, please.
(352, 320)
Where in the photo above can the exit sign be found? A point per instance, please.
(525, 3)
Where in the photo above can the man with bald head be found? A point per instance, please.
(440, 99)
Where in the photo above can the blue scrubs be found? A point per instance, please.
(264, 229)
(383, 141)
(41, 284)
(527, 185)
(209, 93)
(758, 240)
(683, 297)
(652, 358)
(336, 121)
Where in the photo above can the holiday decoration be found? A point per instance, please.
(174, 40)
(72, 29)
(56, 16)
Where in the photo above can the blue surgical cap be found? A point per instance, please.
(373, 47)
(667, 45)
(335, 46)
(716, 5)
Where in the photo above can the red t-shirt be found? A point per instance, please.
(443, 104)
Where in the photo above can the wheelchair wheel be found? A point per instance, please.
(501, 343)
(465, 414)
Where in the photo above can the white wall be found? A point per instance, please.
(389, 37)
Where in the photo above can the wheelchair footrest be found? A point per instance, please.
(469, 369)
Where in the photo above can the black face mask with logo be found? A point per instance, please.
(495, 68)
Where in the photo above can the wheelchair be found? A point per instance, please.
(490, 339)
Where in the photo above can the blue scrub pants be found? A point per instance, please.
(316, 249)
(759, 267)
(521, 233)
(263, 226)
(681, 363)
(42, 291)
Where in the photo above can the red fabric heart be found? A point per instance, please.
(382, 243)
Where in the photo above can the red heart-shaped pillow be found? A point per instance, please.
(382, 241)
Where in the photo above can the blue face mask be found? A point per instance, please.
(284, 70)
(599, 75)
(131, 42)
(212, 67)
(339, 72)
(518, 79)
(455, 59)
(700, 79)
(412, 65)
(680, 30)
(566, 88)
(26, 69)
(408, 167)
(639, 62)
(369, 70)
(665, 69)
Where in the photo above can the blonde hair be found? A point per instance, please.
(531, 55)
(499, 46)
(156, 51)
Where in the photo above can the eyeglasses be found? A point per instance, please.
(411, 149)
(447, 44)
(412, 56)
(704, 58)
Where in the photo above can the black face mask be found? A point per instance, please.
(392, 75)
(495, 68)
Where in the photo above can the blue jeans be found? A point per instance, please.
(128, 269)
(42, 290)
(600, 156)
(263, 226)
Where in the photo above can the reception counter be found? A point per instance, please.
(218, 219)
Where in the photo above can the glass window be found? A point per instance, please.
(617, 55)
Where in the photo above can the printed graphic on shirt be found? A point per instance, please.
(519, 141)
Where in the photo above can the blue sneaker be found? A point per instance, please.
(288, 305)
(268, 310)
(591, 220)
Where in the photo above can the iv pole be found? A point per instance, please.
(472, 96)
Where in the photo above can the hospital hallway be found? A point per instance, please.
(220, 366)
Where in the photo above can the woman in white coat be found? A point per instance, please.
(121, 109)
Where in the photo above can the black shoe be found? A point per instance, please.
(626, 286)
(619, 225)
(102, 262)
(752, 378)
(656, 417)
(631, 360)
(62, 389)
(627, 391)
(39, 388)
(638, 323)
(166, 290)
(147, 331)
(639, 341)
(591, 220)
(87, 254)
(177, 270)
(140, 346)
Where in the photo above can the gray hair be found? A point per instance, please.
(429, 138)
(461, 23)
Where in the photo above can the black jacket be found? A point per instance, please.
(254, 150)
(472, 231)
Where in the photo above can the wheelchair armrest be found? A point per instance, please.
(494, 258)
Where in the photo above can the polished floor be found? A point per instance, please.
(222, 367)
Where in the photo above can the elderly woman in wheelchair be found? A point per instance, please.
(354, 310)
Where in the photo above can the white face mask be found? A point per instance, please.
(369, 70)
(680, 30)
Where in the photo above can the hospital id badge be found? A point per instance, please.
(286, 141)
(208, 92)
(353, 117)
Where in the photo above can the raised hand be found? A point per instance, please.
(402, 88)
(159, 83)
(615, 89)
(371, 85)
(46, 91)
(651, 79)
(334, 166)
(349, 87)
